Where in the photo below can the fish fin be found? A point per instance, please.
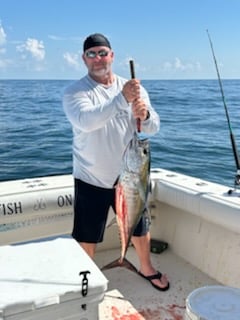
(111, 265)
(142, 192)
(120, 263)
(116, 181)
(150, 186)
(112, 222)
(146, 213)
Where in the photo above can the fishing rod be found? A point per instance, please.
(234, 146)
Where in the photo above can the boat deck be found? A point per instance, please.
(130, 297)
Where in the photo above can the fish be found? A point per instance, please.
(132, 190)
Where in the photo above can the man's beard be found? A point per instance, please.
(104, 71)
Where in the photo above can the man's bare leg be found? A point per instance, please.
(142, 246)
(90, 248)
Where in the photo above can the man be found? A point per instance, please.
(102, 108)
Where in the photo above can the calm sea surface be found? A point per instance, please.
(36, 138)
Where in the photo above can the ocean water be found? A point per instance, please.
(194, 139)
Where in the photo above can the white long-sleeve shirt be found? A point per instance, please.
(103, 125)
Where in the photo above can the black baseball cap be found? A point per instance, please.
(95, 40)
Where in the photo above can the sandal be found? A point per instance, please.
(158, 275)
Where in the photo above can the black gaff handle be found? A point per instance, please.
(132, 71)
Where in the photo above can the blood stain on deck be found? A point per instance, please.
(171, 312)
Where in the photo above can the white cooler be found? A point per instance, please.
(49, 280)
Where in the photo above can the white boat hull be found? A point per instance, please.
(199, 219)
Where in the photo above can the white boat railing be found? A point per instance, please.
(40, 207)
(209, 201)
(35, 208)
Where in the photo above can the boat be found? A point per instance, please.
(197, 219)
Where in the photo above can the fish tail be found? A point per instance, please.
(121, 262)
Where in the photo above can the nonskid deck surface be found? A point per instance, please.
(130, 297)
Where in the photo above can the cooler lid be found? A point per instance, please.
(214, 303)
(42, 273)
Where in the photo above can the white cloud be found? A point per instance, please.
(34, 47)
(72, 59)
(4, 63)
(3, 35)
(198, 65)
(60, 38)
(179, 65)
(53, 37)
(167, 65)
(2, 50)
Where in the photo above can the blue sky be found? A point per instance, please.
(166, 38)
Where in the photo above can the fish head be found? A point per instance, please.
(137, 155)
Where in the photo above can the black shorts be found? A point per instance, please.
(91, 206)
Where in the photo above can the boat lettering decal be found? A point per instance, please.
(65, 200)
(10, 208)
(39, 205)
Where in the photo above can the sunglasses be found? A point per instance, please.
(100, 53)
